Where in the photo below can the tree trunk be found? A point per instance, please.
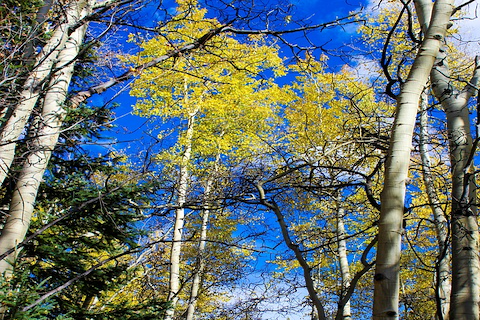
(343, 260)
(442, 287)
(45, 139)
(307, 270)
(464, 227)
(174, 277)
(465, 290)
(197, 278)
(386, 279)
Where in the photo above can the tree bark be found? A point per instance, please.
(343, 260)
(386, 279)
(442, 287)
(42, 145)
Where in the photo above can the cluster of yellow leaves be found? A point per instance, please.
(331, 114)
(227, 86)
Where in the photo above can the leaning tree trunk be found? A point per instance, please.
(442, 286)
(36, 82)
(386, 279)
(464, 226)
(174, 276)
(42, 145)
(319, 309)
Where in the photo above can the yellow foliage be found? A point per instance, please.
(225, 88)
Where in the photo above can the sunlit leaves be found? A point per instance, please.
(227, 83)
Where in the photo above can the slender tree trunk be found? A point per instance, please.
(17, 118)
(386, 279)
(343, 261)
(464, 226)
(442, 288)
(45, 139)
(197, 278)
(174, 277)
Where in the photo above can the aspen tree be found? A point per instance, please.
(202, 243)
(174, 275)
(464, 301)
(49, 79)
(464, 225)
(323, 153)
(44, 62)
(218, 95)
(390, 226)
(465, 291)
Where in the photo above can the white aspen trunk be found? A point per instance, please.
(343, 259)
(386, 279)
(197, 278)
(442, 276)
(464, 300)
(46, 137)
(17, 119)
(174, 277)
(464, 226)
